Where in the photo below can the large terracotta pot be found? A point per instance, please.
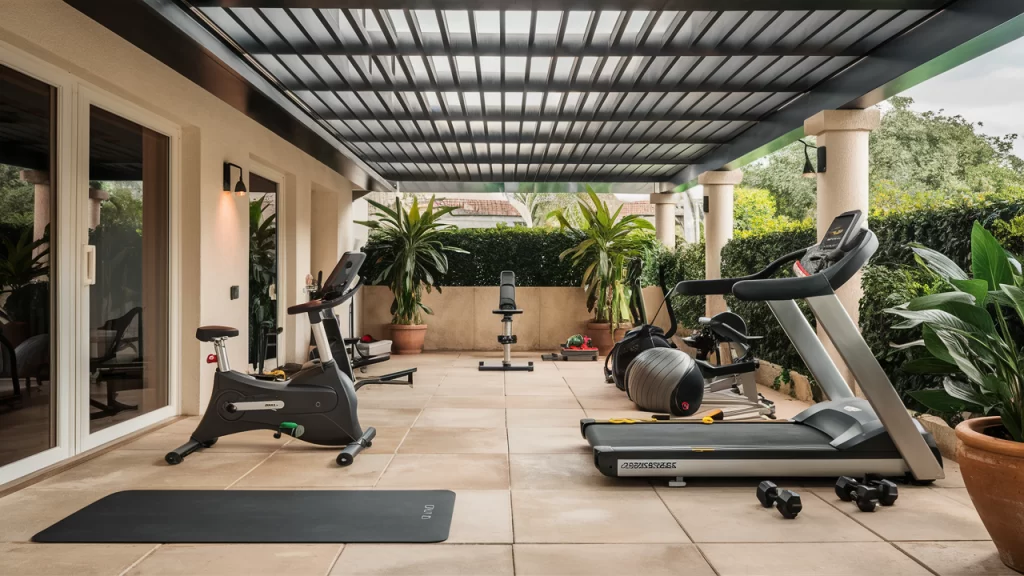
(407, 339)
(993, 471)
(601, 335)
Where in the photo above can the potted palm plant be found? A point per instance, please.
(411, 257)
(608, 242)
(971, 336)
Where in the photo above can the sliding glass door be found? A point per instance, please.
(86, 266)
(126, 211)
(28, 395)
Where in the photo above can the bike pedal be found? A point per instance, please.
(290, 428)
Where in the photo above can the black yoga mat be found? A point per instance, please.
(260, 516)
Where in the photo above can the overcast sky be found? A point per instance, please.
(988, 89)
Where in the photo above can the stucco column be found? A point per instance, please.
(665, 218)
(40, 180)
(843, 187)
(718, 224)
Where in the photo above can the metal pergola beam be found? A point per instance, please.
(563, 116)
(582, 85)
(555, 158)
(723, 5)
(965, 30)
(548, 47)
(493, 138)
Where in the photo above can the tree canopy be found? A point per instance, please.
(912, 153)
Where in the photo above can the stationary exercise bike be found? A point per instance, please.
(317, 405)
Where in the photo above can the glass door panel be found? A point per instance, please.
(28, 402)
(263, 264)
(127, 266)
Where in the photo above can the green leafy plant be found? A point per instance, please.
(262, 270)
(968, 333)
(608, 242)
(410, 255)
(23, 261)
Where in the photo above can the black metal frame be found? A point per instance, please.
(651, 90)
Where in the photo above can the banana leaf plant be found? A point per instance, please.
(609, 242)
(969, 333)
(412, 256)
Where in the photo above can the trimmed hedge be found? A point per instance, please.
(946, 227)
(532, 253)
(885, 287)
(685, 262)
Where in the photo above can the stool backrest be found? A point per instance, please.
(507, 291)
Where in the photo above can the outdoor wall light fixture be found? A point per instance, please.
(239, 188)
(809, 171)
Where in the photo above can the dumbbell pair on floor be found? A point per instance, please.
(786, 502)
(868, 494)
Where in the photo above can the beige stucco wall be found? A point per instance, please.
(214, 224)
(463, 317)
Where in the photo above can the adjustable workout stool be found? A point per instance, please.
(507, 308)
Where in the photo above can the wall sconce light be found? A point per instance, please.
(239, 188)
(809, 171)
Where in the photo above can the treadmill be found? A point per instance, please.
(844, 436)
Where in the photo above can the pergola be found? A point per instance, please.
(645, 95)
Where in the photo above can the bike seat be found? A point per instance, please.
(211, 333)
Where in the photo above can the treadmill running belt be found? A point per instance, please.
(730, 435)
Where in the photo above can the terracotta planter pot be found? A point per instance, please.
(600, 333)
(993, 471)
(408, 339)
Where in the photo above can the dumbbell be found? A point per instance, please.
(888, 492)
(786, 502)
(867, 495)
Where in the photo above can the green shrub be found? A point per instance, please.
(749, 253)
(886, 287)
(686, 262)
(532, 253)
(944, 226)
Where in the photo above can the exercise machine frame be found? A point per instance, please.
(507, 309)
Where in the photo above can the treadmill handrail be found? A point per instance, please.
(725, 285)
(821, 283)
(782, 288)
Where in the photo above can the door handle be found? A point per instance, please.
(90, 265)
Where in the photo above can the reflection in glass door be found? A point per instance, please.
(28, 403)
(127, 266)
(263, 259)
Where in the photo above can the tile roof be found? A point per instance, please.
(479, 207)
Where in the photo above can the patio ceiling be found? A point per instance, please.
(572, 91)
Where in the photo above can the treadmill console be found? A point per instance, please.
(840, 236)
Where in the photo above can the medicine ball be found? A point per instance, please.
(637, 340)
(665, 380)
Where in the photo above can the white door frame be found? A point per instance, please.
(64, 271)
(87, 97)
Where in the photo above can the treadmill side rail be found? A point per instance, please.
(810, 348)
(876, 386)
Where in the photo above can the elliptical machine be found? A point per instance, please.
(643, 337)
(317, 405)
(733, 384)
